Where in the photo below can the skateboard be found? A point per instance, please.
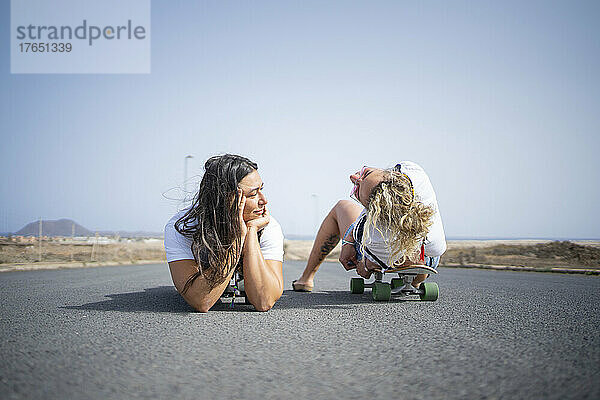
(235, 289)
(400, 287)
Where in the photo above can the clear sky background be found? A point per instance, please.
(498, 101)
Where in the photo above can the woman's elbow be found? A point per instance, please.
(201, 306)
(202, 309)
(263, 307)
(266, 304)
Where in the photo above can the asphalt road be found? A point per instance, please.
(124, 332)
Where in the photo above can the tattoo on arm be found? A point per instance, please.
(328, 245)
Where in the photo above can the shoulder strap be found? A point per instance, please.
(360, 227)
(381, 263)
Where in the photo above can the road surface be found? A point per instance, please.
(124, 332)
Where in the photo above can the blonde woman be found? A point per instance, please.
(396, 221)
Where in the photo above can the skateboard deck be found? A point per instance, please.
(412, 270)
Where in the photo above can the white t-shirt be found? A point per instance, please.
(179, 247)
(435, 241)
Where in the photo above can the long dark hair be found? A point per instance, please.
(212, 221)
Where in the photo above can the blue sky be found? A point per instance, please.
(498, 101)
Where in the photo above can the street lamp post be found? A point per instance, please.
(185, 173)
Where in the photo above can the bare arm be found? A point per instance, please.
(199, 294)
(348, 252)
(263, 279)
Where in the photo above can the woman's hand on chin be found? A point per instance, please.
(241, 205)
(260, 222)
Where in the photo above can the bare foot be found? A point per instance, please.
(303, 285)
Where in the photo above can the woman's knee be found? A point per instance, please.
(343, 206)
(347, 208)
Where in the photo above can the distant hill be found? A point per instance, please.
(62, 227)
(59, 227)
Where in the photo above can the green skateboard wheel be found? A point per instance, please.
(397, 282)
(431, 291)
(382, 291)
(357, 285)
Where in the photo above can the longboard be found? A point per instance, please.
(399, 287)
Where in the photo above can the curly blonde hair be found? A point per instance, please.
(394, 212)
